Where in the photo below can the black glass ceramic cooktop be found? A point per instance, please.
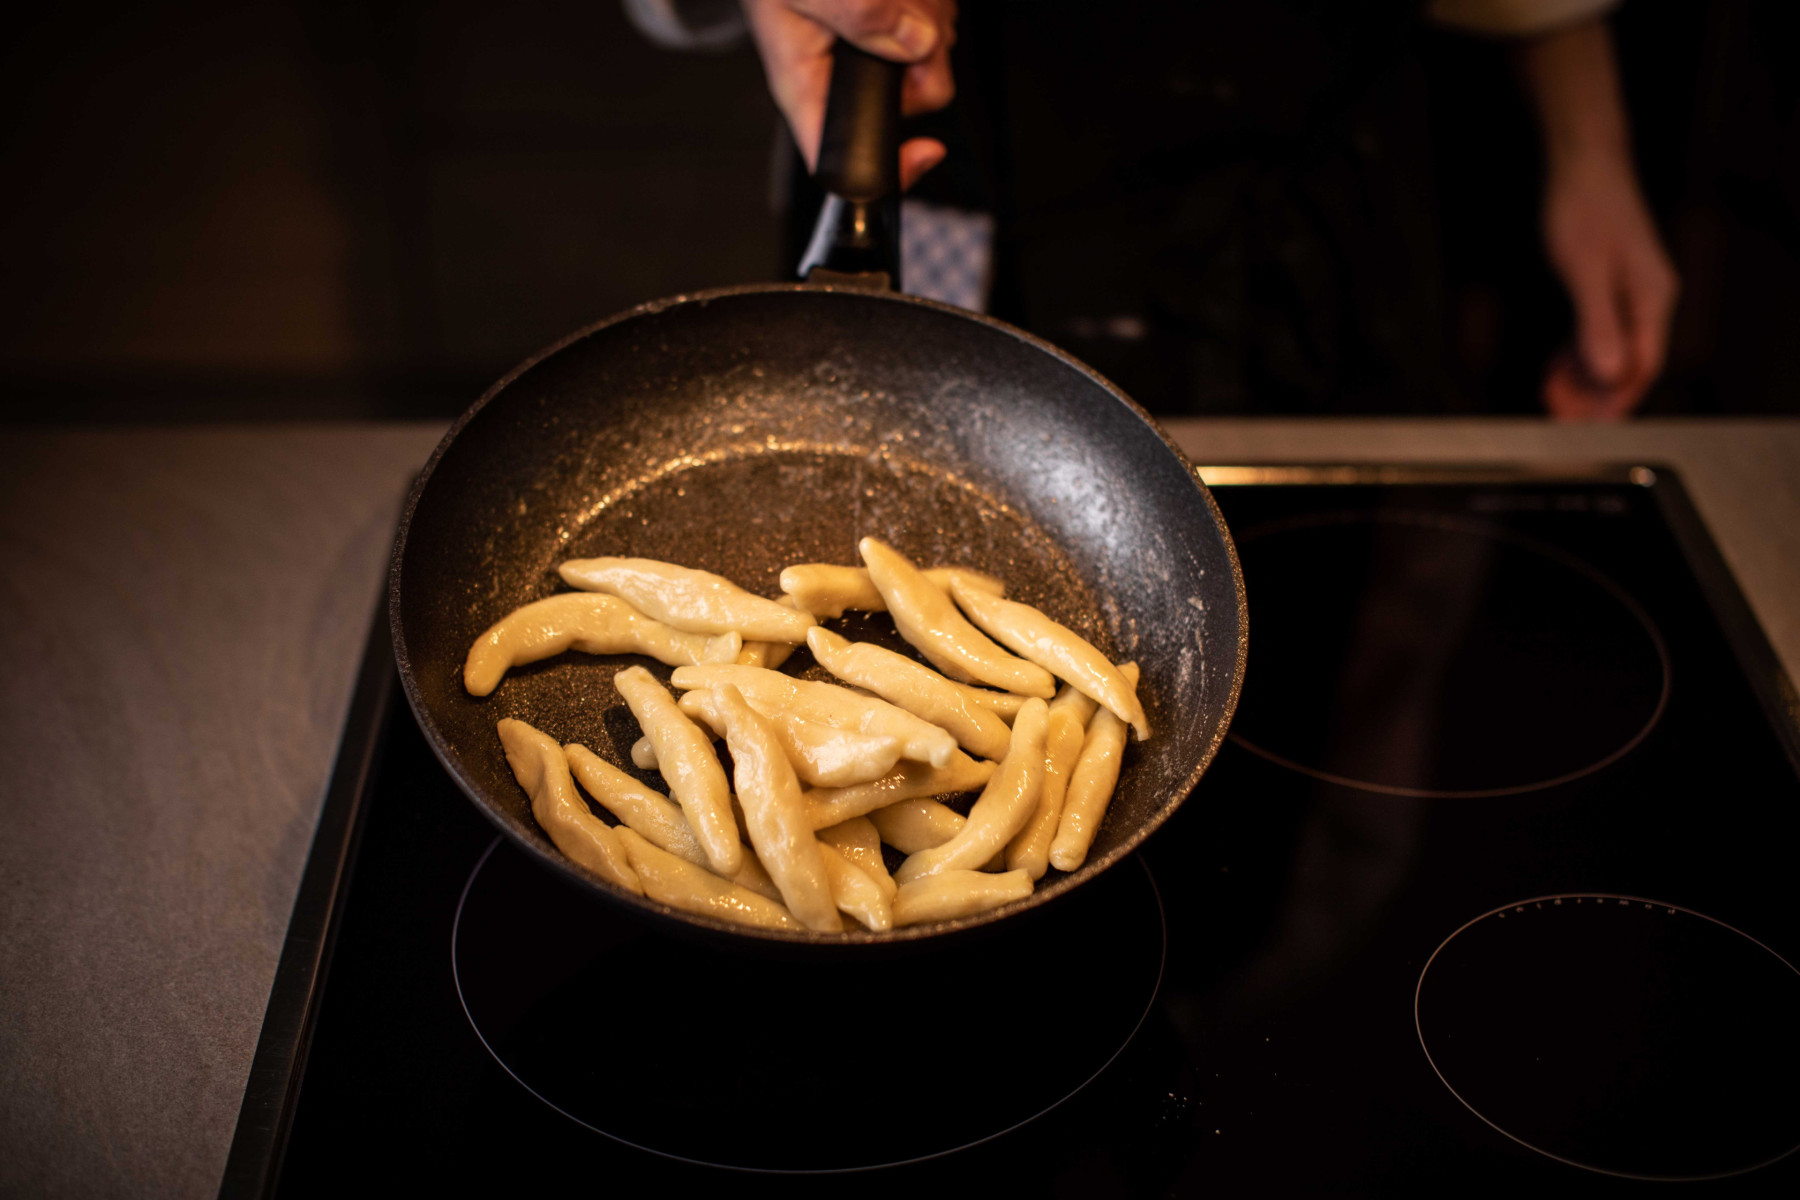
(1489, 890)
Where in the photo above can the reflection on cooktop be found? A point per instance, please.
(1433, 656)
(798, 1064)
(1620, 1034)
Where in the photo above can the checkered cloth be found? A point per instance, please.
(946, 253)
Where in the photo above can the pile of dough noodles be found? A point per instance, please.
(823, 774)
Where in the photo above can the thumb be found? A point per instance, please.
(887, 28)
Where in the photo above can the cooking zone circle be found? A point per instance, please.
(798, 1066)
(1620, 1034)
(1425, 655)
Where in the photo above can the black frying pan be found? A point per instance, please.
(745, 429)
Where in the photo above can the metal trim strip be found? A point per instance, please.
(260, 1140)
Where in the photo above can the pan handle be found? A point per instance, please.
(856, 241)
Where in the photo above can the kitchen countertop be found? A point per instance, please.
(183, 610)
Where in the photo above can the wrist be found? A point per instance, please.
(1589, 167)
(1586, 146)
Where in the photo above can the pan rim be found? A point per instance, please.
(851, 940)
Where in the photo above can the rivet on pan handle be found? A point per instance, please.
(856, 241)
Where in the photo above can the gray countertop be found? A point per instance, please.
(182, 612)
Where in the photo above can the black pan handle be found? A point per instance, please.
(859, 150)
(857, 238)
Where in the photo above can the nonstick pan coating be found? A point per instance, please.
(742, 430)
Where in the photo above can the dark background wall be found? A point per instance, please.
(313, 208)
(322, 208)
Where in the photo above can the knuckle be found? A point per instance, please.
(857, 18)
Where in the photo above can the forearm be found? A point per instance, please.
(1598, 232)
(1571, 77)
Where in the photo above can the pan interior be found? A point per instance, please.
(747, 513)
(746, 431)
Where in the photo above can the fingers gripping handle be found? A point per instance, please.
(857, 238)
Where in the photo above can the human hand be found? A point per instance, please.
(1601, 241)
(795, 37)
(1597, 231)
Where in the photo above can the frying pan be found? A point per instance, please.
(747, 428)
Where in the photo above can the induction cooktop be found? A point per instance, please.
(1489, 890)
